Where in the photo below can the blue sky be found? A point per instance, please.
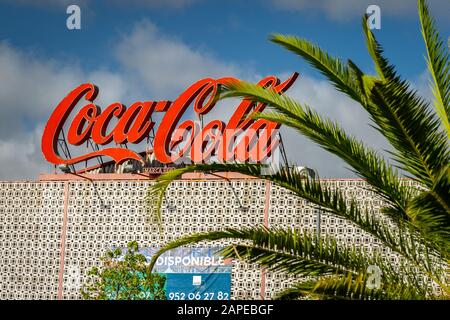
(231, 30)
(129, 49)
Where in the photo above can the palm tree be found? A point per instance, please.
(415, 220)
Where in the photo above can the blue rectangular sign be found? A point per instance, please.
(194, 273)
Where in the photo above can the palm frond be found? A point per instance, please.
(432, 215)
(333, 68)
(290, 251)
(422, 150)
(405, 120)
(300, 253)
(414, 223)
(376, 51)
(351, 286)
(410, 127)
(438, 60)
(365, 162)
(398, 125)
(329, 199)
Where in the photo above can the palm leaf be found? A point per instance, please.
(407, 123)
(397, 126)
(438, 61)
(291, 251)
(330, 200)
(333, 68)
(427, 212)
(365, 162)
(414, 223)
(351, 287)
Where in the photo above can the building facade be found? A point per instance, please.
(53, 230)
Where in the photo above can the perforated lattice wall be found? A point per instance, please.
(30, 230)
(51, 233)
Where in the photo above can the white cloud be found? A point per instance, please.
(165, 65)
(422, 85)
(31, 89)
(20, 157)
(152, 66)
(348, 9)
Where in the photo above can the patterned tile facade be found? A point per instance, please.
(51, 233)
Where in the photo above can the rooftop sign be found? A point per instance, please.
(241, 139)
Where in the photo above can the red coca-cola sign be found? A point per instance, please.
(134, 124)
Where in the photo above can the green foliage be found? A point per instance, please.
(414, 222)
(438, 60)
(124, 277)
